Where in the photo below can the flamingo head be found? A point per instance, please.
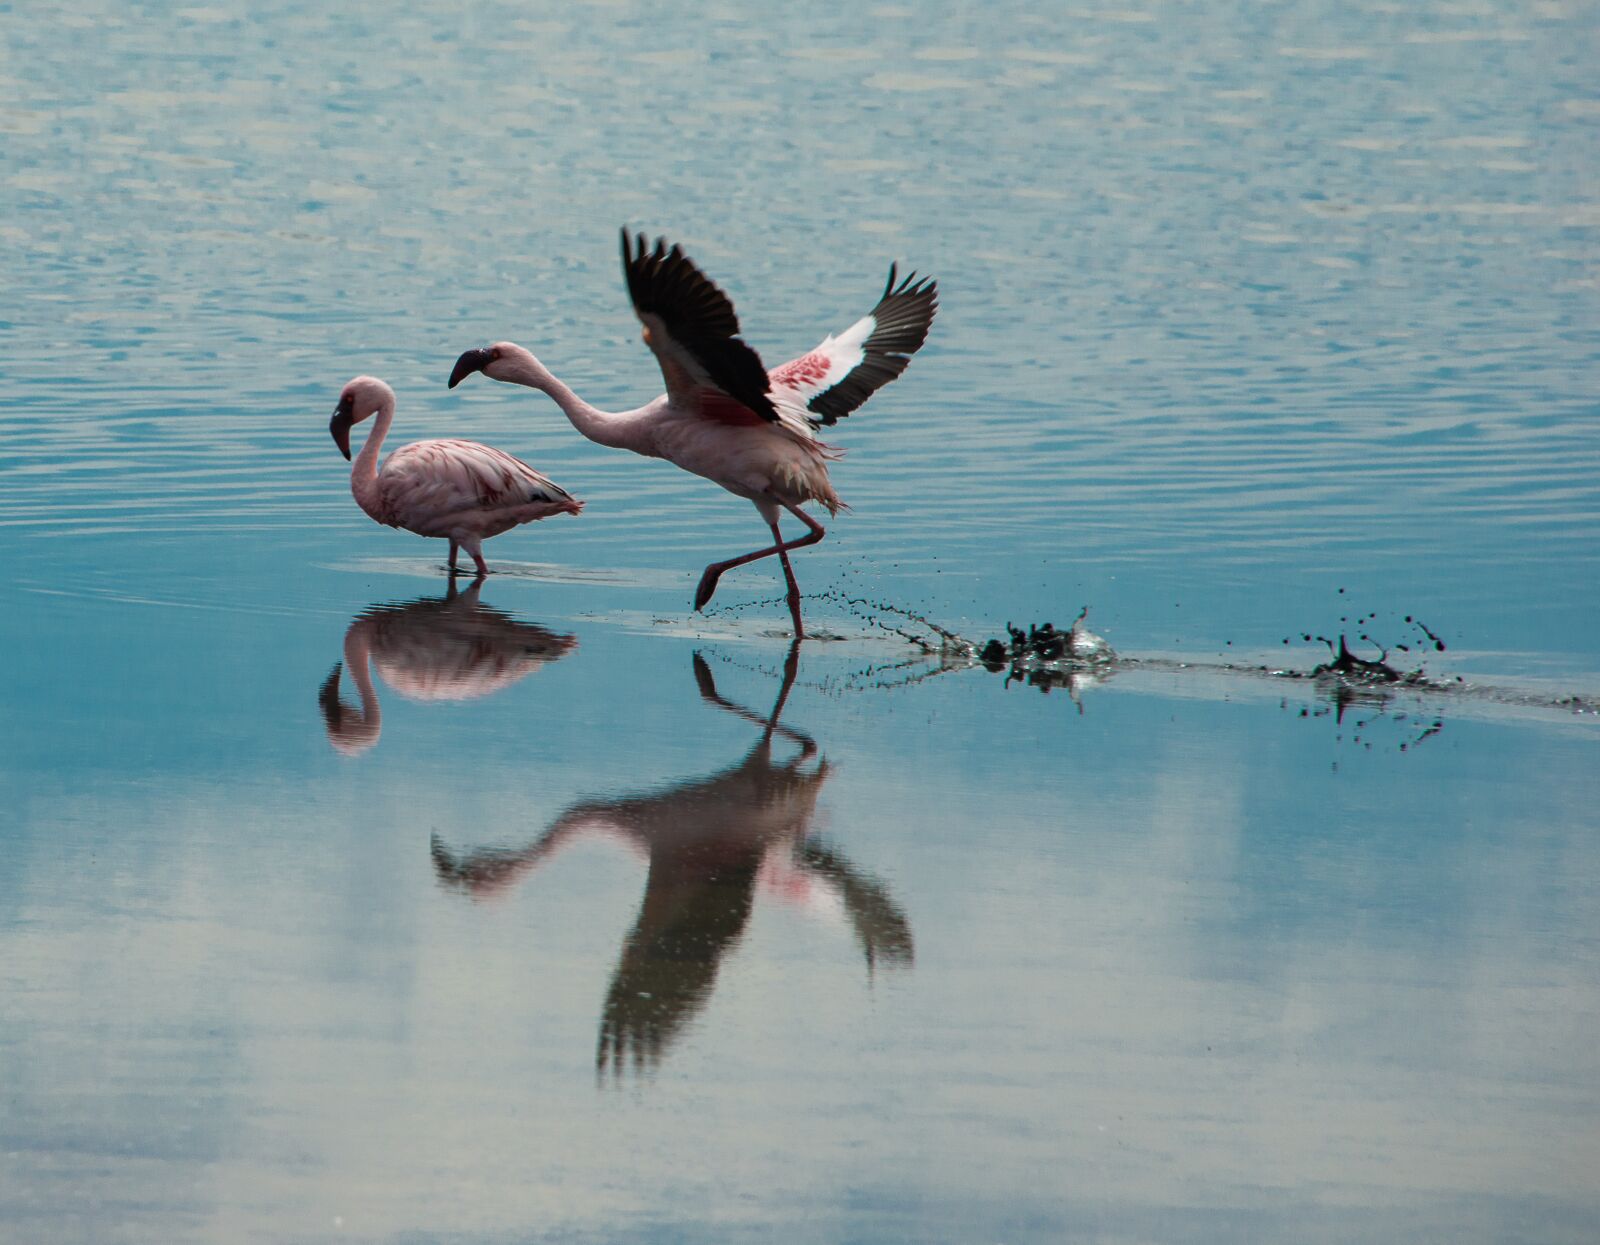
(361, 399)
(502, 361)
(351, 731)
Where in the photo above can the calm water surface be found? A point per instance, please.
(340, 908)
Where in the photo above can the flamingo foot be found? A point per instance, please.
(708, 586)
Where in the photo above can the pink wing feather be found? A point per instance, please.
(428, 480)
(846, 369)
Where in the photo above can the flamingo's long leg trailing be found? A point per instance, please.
(712, 573)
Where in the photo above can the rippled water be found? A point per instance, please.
(1255, 318)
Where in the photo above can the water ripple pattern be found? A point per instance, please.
(1240, 296)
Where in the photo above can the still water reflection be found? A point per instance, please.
(713, 844)
(1184, 940)
(433, 648)
(1245, 303)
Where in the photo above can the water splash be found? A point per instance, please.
(937, 641)
(1076, 659)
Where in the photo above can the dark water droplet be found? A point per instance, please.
(1438, 644)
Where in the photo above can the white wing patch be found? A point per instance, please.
(847, 368)
(802, 379)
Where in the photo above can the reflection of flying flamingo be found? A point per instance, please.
(458, 490)
(712, 843)
(449, 648)
(724, 416)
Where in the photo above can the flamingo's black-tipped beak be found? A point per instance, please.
(339, 426)
(470, 362)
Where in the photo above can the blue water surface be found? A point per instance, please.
(340, 906)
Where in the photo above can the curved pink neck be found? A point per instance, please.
(357, 660)
(358, 730)
(364, 471)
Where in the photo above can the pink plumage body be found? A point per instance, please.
(755, 460)
(460, 491)
(724, 416)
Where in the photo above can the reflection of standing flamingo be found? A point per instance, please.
(724, 416)
(449, 648)
(712, 843)
(458, 490)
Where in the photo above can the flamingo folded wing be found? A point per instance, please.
(444, 477)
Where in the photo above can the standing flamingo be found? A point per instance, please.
(458, 490)
(724, 416)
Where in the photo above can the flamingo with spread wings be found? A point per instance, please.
(724, 416)
(459, 490)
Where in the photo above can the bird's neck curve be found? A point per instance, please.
(602, 427)
(364, 471)
(357, 731)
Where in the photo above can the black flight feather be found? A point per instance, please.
(902, 318)
(699, 316)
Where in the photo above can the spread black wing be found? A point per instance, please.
(691, 327)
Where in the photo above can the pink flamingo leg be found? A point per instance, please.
(794, 588)
(452, 557)
(712, 573)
